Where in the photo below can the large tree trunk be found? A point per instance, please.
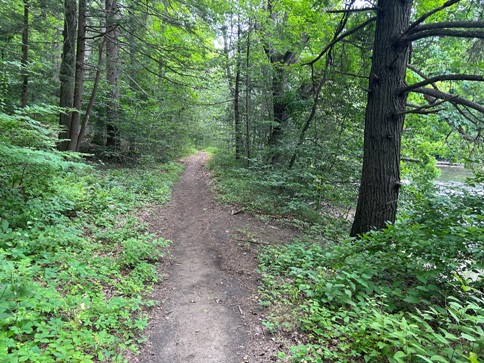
(79, 78)
(112, 74)
(25, 55)
(380, 180)
(67, 71)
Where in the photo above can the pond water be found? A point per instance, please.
(452, 180)
(453, 174)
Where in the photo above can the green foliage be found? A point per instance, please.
(413, 292)
(74, 259)
(301, 198)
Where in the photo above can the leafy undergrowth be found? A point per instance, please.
(413, 292)
(75, 263)
(302, 199)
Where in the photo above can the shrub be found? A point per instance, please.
(74, 261)
(412, 292)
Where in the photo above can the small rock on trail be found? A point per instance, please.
(209, 312)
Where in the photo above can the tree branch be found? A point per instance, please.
(419, 107)
(341, 37)
(352, 10)
(424, 110)
(428, 14)
(454, 99)
(444, 33)
(463, 114)
(411, 160)
(443, 77)
(421, 111)
(420, 73)
(449, 24)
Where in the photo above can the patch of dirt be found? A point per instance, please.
(208, 311)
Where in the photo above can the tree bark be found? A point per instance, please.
(25, 55)
(79, 77)
(279, 62)
(67, 70)
(279, 109)
(247, 98)
(380, 180)
(90, 105)
(237, 119)
(112, 75)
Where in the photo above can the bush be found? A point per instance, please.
(412, 292)
(302, 198)
(74, 260)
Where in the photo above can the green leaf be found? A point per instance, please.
(422, 279)
(424, 358)
(4, 225)
(440, 338)
(398, 355)
(412, 299)
(473, 357)
(438, 358)
(468, 337)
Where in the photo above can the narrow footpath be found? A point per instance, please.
(208, 311)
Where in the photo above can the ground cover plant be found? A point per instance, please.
(413, 292)
(75, 263)
(305, 199)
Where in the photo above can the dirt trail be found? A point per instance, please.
(209, 311)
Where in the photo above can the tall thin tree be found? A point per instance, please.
(79, 77)
(67, 70)
(25, 54)
(112, 74)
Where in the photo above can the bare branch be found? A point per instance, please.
(341, 37)
(450, 24)
(428, 14)
(420, 73)
(426, 109)
(421, 111)
(352, 10)
(454, 99)
(465, 135)
(411, 160)
(444, 33)
(434, 104)
(467, 117)
(443, 77)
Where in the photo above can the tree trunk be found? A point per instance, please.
(112, 75)
(280, 62)
(79, 78)
(237, 119)
(25, 55)
(380, 180)
(90, 105)
(247, 98)
(227, 46)
(280, 113)
(67, 71)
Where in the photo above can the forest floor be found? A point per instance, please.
(208, 309)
